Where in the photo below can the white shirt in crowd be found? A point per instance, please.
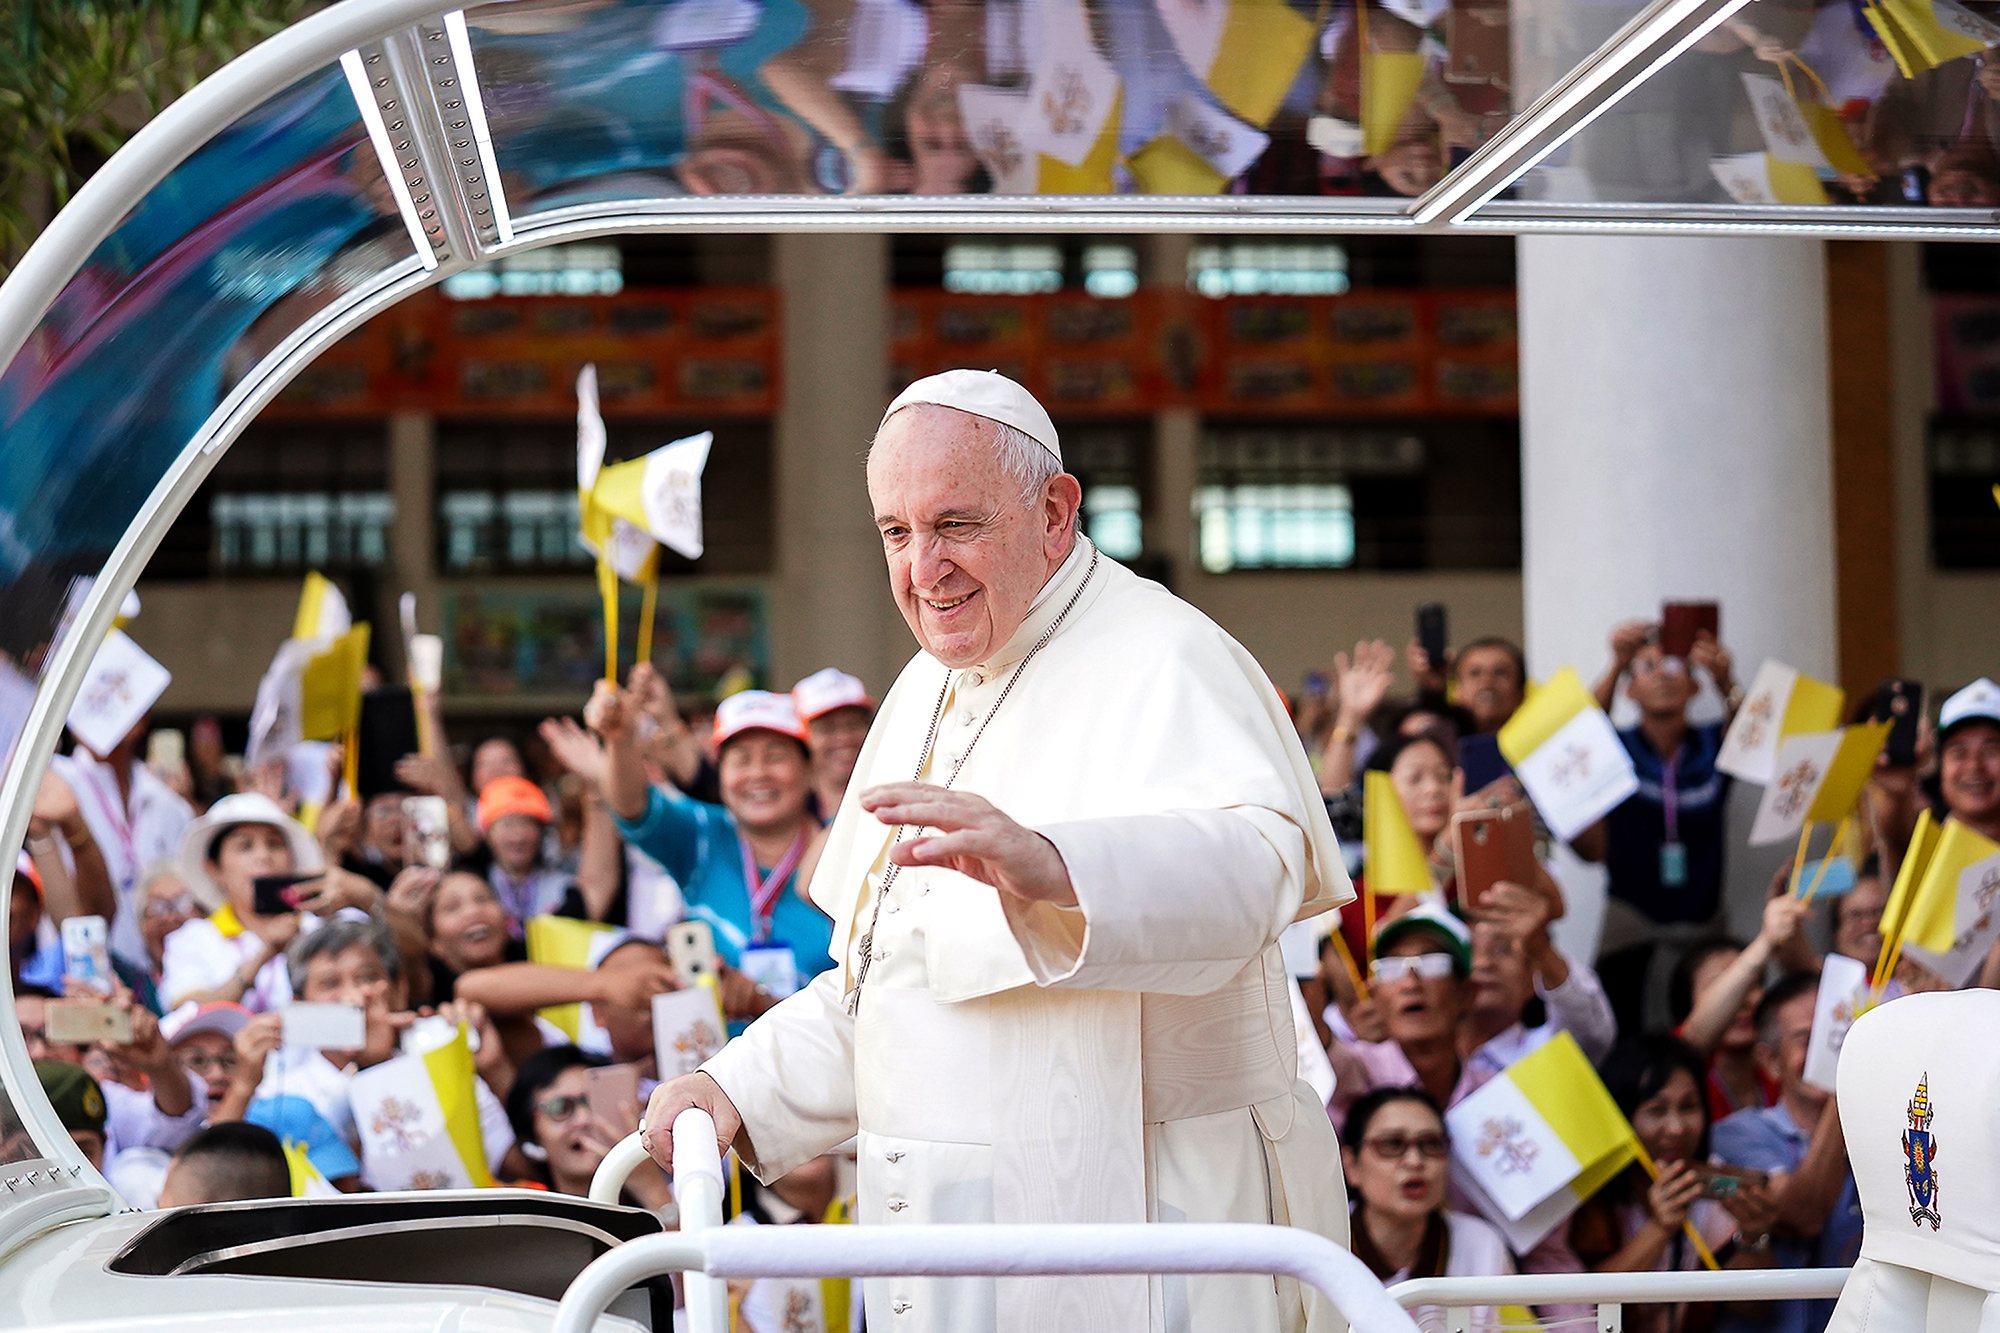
(131, 833)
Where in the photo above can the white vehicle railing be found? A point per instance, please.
(1611, 1292)
(987, 1251)
(707, 1253)
(698, 1197)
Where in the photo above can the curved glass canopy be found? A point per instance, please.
(383, 144)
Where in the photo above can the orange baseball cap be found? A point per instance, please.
(512, 796)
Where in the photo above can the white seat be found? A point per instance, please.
(1920, 1108)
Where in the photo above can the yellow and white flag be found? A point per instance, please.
(1896, 911)
(1535, 1142)
(1800, 131)
(418, 1119)
(1567, 755)
(1766, 178)
(562, 941)
(688, 1027)
(122, 684)
(1394, 860)
(312, 689)
(1818, 780)
(1954, 914)
(1247, 52)
(1781, 702)
(322, 612)
(627, 507)
(1923, 34)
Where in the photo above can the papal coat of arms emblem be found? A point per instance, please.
(1920, 1158)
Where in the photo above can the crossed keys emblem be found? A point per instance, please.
(1505, 1139)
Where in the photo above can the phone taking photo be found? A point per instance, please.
(1899, 701)
(691, 950)
(612, 1093)
(1681, 623)
(427, 831)
(277, 895)
(1489, 846)
(1431, 633)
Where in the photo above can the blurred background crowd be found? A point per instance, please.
(1407, 1005)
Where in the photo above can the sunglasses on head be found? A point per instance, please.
(1431, 966)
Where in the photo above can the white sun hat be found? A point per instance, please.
(243, 807)
(984, 393)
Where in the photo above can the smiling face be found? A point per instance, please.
(765, 779)
(468, 925)
(1421, 775)
(967, 553)
(1671, 1121)
(1857, 920)
(1404, 1184)
(836, 744)
(244, 853)
(1969, 774)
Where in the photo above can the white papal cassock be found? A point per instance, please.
(1131, 1059)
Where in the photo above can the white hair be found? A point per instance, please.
(1022, 457)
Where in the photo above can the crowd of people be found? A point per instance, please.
(649, 815)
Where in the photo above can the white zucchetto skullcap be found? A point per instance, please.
(984, 393)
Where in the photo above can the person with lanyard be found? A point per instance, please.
(1665, 842)
(741, 865)
(133, 818)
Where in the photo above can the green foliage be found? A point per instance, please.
(78, 76)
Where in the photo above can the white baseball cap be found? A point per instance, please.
(984, 393)
(1977, 702)
(823, 691)
(757, 710)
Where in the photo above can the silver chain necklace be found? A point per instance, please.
(923, 761)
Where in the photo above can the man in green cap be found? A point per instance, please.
(79, 1104)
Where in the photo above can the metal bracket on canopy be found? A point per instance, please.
(428, 101)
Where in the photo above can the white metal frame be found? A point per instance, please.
(705, 1251)
(1611, 1292)
(442, 151)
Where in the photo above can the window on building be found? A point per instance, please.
(287, 497)
(1965, 468)
(1106, 267)
(1267, 268)
(582, 269)
(1423, 495)
(507, 502)
(1110, 271)
(1110, 462)
(290, 530)
(1013, 268)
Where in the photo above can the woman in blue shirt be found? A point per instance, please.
(741, 865)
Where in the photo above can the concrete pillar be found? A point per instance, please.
(830, 603)
(413, 539)
(1675, 443)
(1176, 438)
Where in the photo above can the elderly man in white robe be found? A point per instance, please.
(1076, 831)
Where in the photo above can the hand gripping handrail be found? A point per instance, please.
(989, 1251)
(697, 1195)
